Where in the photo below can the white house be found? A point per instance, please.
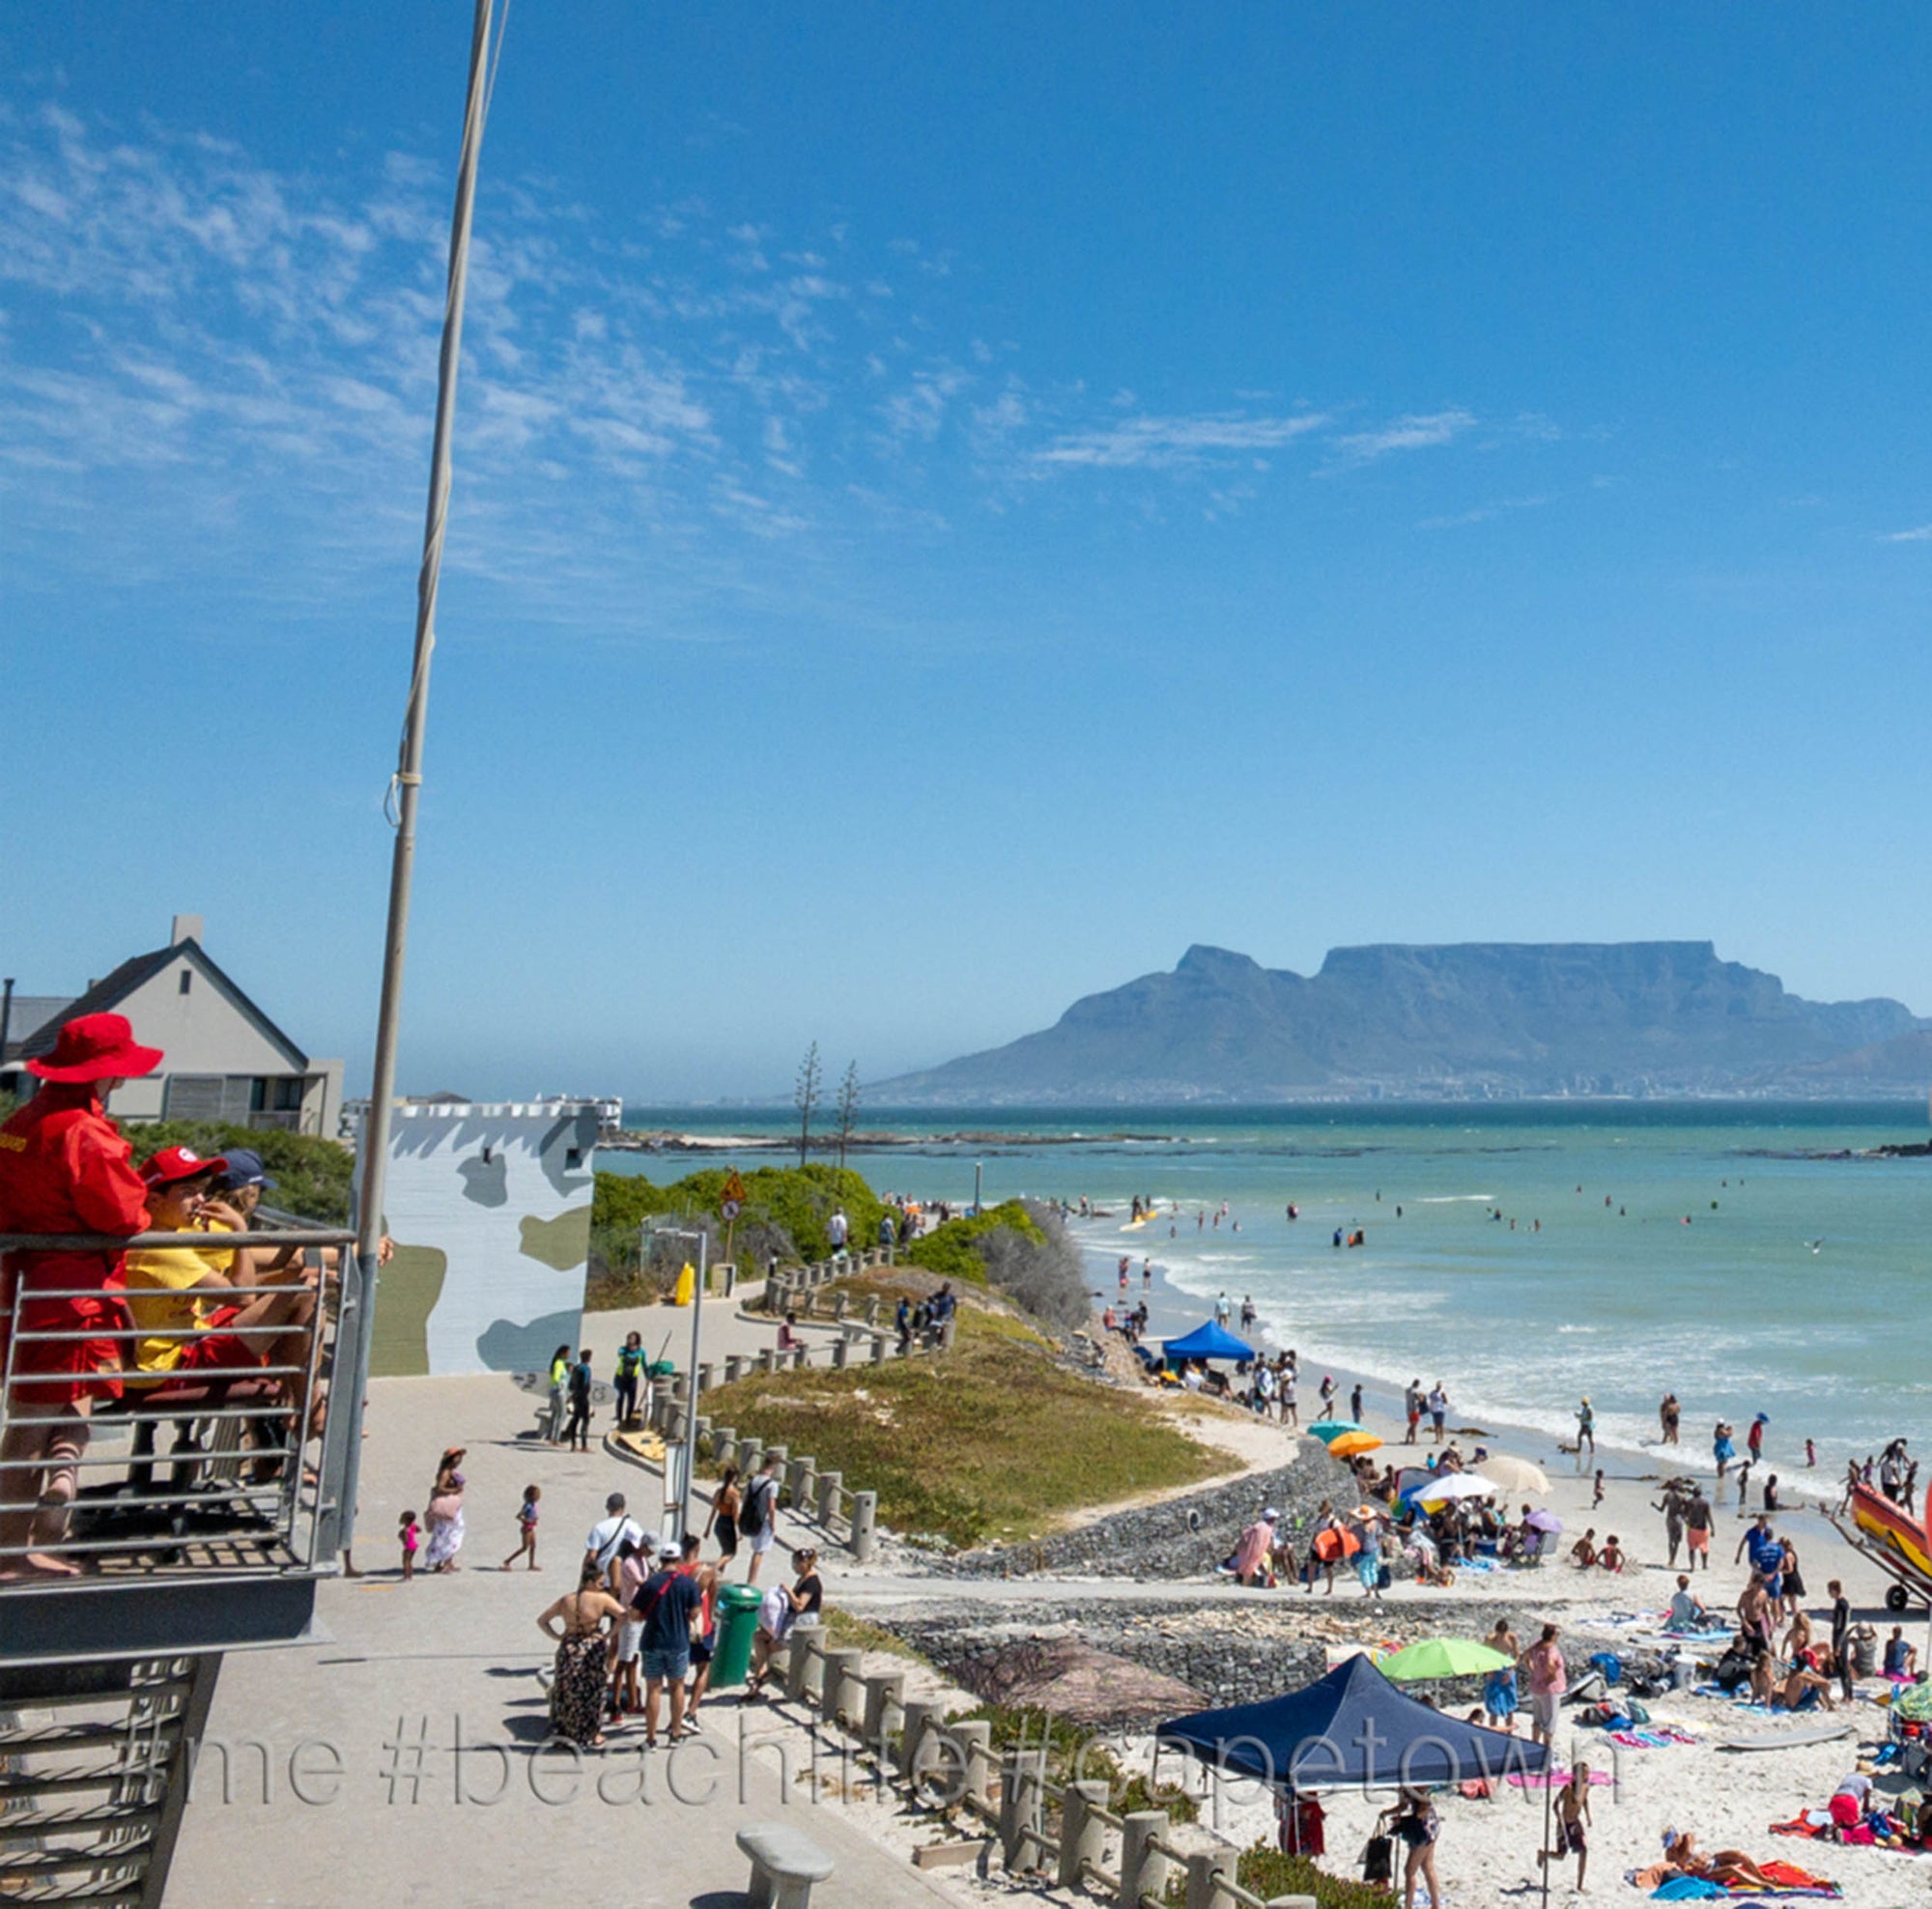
(224, 1058)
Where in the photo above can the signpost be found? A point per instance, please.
(681, 1463)
(729, 1207)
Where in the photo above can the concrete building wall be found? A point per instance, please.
(489, 1208)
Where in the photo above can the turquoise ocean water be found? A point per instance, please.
(1801, 1292)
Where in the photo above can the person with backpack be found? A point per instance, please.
(669, 1603)
(758, 1516)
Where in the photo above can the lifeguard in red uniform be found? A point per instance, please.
(63, 1168)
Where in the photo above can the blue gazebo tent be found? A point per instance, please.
(1209, 1340)
(1351, 1727)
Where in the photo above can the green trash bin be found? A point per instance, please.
(737, 1610)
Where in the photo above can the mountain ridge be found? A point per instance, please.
(1454, 1020)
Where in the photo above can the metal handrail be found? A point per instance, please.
(279, 1521)
(121, 1243)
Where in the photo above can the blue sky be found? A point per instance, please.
(954, 504)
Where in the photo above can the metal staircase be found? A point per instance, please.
(95, 1762)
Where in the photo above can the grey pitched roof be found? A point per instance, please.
(107, 994)
(30, 1013)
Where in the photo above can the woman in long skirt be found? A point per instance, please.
(583, 1646)
(444, 1514)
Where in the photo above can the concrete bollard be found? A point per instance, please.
(1143, 1870)
(708, 1378)
(943, 1764)
(879, 1345)
(830, 1485)
(1206, 1871)
(1083, 1835)
(920, 1717)
(734, 1367)
(804, 1680)
(839, 1301)
(675, 1424)
(800, 1356)
(836, 1695)
(724, 1444)
(750, 1455)
(841, 1350)
(781, 1453)
(975, 1738)
(885, 1707)
(946, 1330)
(865, 1515)
(804, 1489)
(1022, 1806)
(872, 1309)
(768, 1359)
(704, 1437)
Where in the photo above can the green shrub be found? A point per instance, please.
(785, 1213)
(1268, 1873)
(950, 1250)
(313, 1177)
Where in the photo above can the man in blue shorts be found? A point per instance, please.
(669, 1604)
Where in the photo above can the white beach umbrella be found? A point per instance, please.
(1514, 1474)
(1454, 1485)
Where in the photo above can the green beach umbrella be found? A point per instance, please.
(1332, 1428)
(1441, 1657)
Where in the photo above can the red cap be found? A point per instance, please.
(173, 1164)
(97, 1048)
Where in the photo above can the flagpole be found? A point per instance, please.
(407, 786)
(409, 768)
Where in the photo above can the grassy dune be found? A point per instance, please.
(988, 1444)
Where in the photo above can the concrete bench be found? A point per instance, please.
(786, 1862)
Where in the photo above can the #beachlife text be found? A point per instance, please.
(414, 1766)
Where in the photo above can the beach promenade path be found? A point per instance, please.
(369, 1799)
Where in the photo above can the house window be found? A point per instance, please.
(289, 1094)
(195, 1098)
(186, 979)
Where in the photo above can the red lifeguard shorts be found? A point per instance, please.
(66, 1370)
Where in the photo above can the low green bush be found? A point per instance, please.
(785, 1212)
(313, 1177)
(951, 1250)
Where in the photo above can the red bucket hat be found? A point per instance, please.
(173, 1164)
(97, 1048)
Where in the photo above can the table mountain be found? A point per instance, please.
(1473, 1019)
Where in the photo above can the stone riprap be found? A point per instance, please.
(1179, 1537)
(1229, 1654)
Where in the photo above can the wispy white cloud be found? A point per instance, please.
(1921, 535)
(1481, 513)
(203, 358)
(1421, 431)
(1149, 442)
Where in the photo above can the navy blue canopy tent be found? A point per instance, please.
(1209, 1340)
(1351, 1727)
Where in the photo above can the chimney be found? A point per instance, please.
(186, 927)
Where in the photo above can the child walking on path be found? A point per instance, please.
(527, 1530)
(405, 1534)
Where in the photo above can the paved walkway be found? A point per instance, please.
(369, 1798)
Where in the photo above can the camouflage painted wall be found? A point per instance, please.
(489, 1207)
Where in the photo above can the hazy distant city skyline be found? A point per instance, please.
(952, 508)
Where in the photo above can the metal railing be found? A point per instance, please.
(239, 1495)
